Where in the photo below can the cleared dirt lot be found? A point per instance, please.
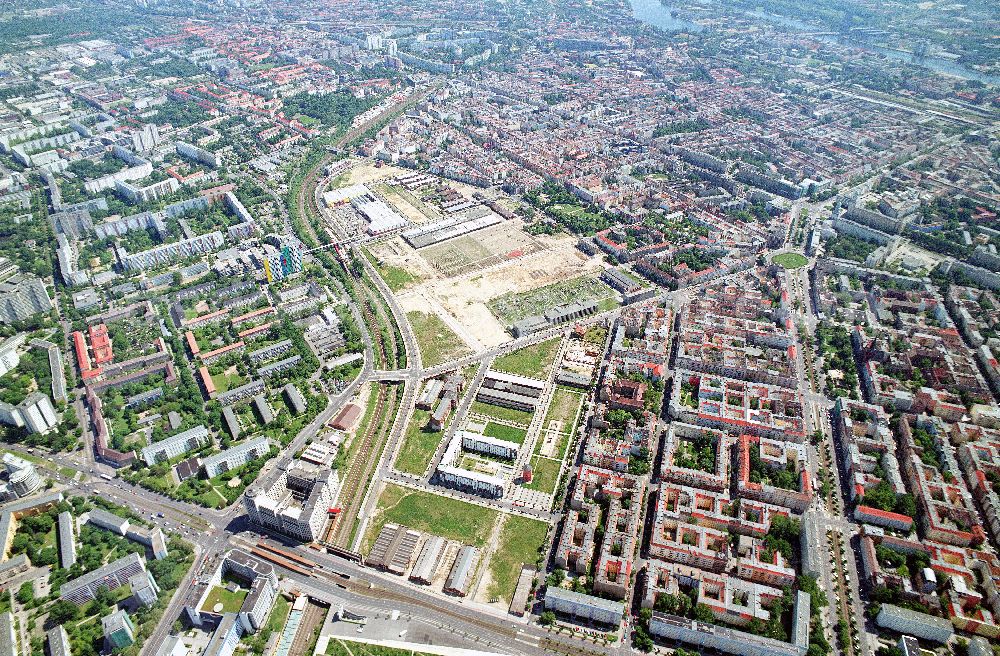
(464, 298)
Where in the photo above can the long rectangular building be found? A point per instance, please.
(510, 390)
(175, 445)
(235, 457)
(83, 589)
(67, 543)
(8, 636)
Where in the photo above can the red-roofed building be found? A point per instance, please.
(192, 343)
(346, 418)
(100, 344)
(206, 381)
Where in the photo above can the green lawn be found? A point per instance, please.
(545, 474)
(438, 343)
(430, 513)
(340, 647)
(395, 277)
(564, 408)
(231, 601)
(790, 260)
(224, 383)
(502, 432)
(500, 412)
(531, 361)
(278, 614)
(521, 540)
(418, 446)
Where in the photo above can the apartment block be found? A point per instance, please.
(83, 589)
(175, 445)
(737, 406)
(235, 456)
(584, 607)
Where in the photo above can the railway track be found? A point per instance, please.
(341, 529)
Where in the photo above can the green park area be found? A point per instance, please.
(545, 474)
(564, 410)
(339, 647)
(521, 543)
(419, 444)
(790, 260)
(504, 432)
(438, 343)
(533, 361)
(429, 513)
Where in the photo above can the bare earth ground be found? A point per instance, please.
(460, 276)
(395, 252)
(463, 299)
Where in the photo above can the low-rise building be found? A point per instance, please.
(584, 607)
(910, 622)
(460, 577)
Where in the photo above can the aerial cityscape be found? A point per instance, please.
(598, 328)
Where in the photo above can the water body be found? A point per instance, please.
(657, 14)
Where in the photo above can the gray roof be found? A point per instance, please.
(294, 397)
(578, 598)
(99, 573)
(58, 641)
(263, 409)
(108, 520)
(16, 562)
(34, 502)
(230, 622)
(8, 646)
(67, 551)
(461, 573)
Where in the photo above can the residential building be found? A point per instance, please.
(35, 414)
(22, 296)
(8, 635)
(236, 456)
(58, 641)
(119, 631)
(911, 622)
(584, 607)
(175, 445)
(115, 574)
(67, 540)
(226, 636)
(145, 590)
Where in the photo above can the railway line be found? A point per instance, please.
(366, 455)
